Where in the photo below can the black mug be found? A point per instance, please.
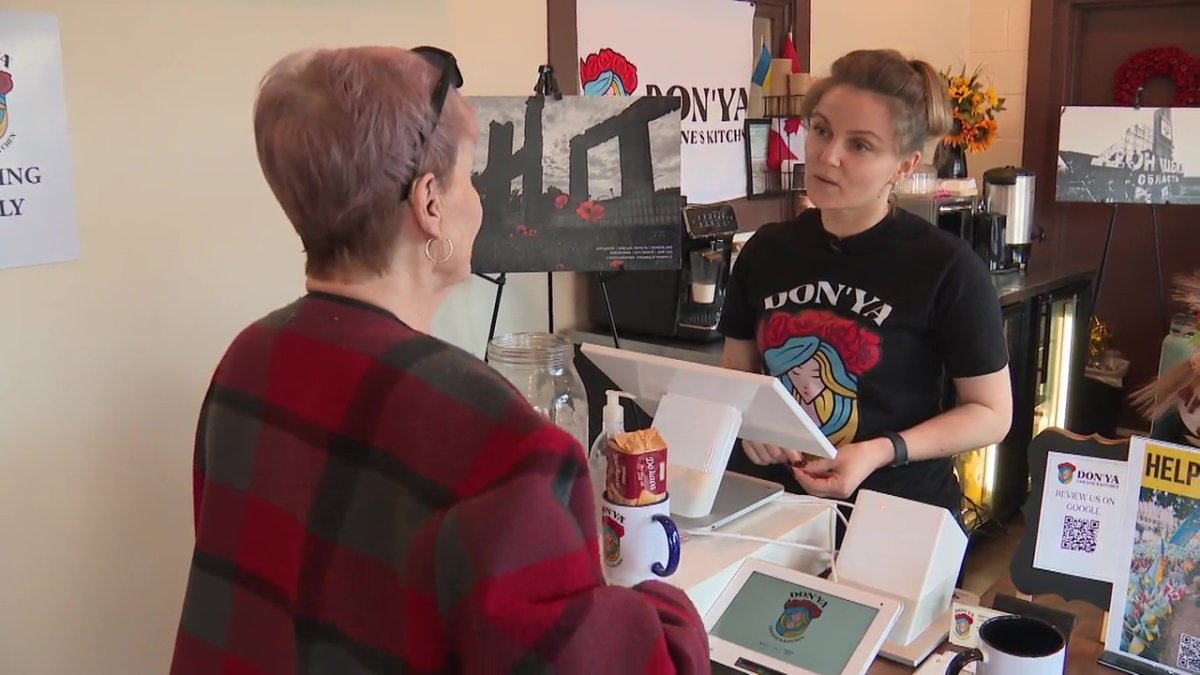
(1015, 645)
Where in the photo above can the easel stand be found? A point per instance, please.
(1164, 309)
(547, 85)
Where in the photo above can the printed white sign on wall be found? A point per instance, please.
(697, 50)
(38, 217)
(1080, 526)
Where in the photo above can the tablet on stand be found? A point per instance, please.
(701, 410)
(775, 620)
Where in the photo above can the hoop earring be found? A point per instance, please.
(429, 250)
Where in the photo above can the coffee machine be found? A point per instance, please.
(683, 304)
(1008, 192)
(998, 225)
(964, 217)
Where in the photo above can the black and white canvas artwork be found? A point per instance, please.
(1129, 155)
(581, 184)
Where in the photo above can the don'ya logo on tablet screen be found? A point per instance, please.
(799, 612)
(6, 86)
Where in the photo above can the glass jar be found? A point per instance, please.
(541, 366)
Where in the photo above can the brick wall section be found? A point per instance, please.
(998, 39)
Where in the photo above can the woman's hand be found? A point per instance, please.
(838, 478)
(763, 454)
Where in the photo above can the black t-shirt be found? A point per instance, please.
(862, 329)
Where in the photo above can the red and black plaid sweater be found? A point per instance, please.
(370, 499)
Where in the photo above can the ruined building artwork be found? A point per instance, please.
(1129, 155)
(581, 184)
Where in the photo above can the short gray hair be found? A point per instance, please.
(339, 136)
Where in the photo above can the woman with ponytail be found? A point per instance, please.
(877, 296)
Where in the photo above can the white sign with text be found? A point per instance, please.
(1082, 516)
(697, 50)
(38, 217)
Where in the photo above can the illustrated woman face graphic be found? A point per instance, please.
(806, 381)
(818, 356)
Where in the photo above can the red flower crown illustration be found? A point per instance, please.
(858, 347)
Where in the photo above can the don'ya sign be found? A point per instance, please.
(38, 217)
(1082, 515)
(699, 51)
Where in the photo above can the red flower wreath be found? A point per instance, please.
(1172, 62)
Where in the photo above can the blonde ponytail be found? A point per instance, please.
(939, 119)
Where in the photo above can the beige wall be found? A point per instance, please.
(947, 33)
(103, 361)
(999, 41)
(933, 30)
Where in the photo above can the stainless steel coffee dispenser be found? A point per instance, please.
(1008, 191)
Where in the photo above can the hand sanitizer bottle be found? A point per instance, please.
(614, 423)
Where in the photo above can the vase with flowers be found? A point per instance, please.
(973, 107)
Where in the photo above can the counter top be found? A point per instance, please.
(708, 561)
(1012, 289)
(1083, 648)
(1016, 288)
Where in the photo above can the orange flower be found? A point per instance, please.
(984, 133)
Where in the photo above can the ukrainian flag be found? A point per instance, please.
(762, 70)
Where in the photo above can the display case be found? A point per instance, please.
(1047, 341)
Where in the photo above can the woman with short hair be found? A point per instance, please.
(369, 498)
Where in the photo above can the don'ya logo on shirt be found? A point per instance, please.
(819, 357)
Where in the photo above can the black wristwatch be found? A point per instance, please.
(900, 446)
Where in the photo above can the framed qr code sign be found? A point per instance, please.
(1075, 514)
(1081, 516)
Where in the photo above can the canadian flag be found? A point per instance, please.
(785, 142)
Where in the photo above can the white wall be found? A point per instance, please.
(999, 41)
(103, 361)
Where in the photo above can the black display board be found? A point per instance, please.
(578, 184)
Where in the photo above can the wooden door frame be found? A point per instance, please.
(1054, 32)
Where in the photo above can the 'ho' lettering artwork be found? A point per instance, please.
(581, 184)
(1129, 155)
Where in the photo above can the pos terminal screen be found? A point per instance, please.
(794, 624)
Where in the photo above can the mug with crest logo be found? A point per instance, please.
(1014, 645)
(638, 543)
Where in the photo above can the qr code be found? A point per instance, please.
(1079, 534)
(1189, 653)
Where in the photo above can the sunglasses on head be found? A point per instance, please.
(449, 75)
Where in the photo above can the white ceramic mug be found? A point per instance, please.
(638, 543)
(1015, 645)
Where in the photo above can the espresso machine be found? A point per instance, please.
(997, 224)
(682, 304)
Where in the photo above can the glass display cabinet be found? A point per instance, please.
(1047, 342)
